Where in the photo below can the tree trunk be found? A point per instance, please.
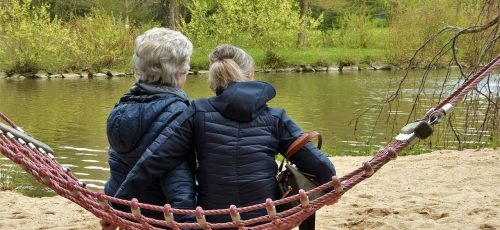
(127, 26)
(304, 8)
(170, 10)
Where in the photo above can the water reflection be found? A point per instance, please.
(70, 115)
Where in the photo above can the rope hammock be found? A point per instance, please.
(37, 159)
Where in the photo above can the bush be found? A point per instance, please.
(104, 42)
(273, 60)
(242, 22)
(356, 30)
(322, 62)
(31, 40)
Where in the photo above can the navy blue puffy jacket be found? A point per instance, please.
(236, 137)
(134, 123)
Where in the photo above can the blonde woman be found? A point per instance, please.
(236, 137)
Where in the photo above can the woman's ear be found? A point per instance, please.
(212, 87)
(250, 76)
(182, 80)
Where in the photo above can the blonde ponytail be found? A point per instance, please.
(223, 72)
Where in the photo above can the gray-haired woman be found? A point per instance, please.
(161, 62)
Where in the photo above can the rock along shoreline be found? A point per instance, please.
(110, 73)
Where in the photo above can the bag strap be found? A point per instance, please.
(299, 144)
(301, 141)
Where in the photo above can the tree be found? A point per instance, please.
(304, 8)
(171, 12)
(127, 20)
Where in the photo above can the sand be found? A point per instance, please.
(439, 190)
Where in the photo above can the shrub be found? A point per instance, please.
(322, 62)
(32, 40)
(104, 42)
(355, 30)
(273, 60)
(242, 21)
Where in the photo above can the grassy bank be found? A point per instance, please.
(293, 57)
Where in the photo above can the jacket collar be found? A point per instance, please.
(141, 88)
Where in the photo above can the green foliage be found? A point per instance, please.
(7, 179)
(273, 60)
(65, 9)
(33, 41)
(355, 30)
(103, 41)
(242, 22)
(495, 140)
(313, 30)
(58, 35)
(414, 22)
(200, 28)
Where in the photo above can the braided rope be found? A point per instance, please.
(44, 168)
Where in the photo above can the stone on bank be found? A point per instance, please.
(71, 75)
(41, 74)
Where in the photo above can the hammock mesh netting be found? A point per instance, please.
(37, 159)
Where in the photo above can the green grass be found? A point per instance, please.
(301, 56)
(323, 48)
(7, 180)
(331, 55)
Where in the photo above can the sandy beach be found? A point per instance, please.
(439, 190)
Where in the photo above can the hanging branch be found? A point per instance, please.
(489, 33)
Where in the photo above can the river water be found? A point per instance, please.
(70, 114)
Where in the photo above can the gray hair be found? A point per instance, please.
(229, 63)
(161, 55)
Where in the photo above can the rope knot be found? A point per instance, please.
(304, 200)
(367, 167)
(235, 215)
(168, 215)
(339, 188)
(271, 211)
(200, 217)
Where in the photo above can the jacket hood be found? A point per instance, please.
(243, 101)
(138, 112)
(141, 89)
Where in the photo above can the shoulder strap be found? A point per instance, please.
(299, 143)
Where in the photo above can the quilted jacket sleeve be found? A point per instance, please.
(169, 150)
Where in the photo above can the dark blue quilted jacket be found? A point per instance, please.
(236, 137)
(134, 123)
